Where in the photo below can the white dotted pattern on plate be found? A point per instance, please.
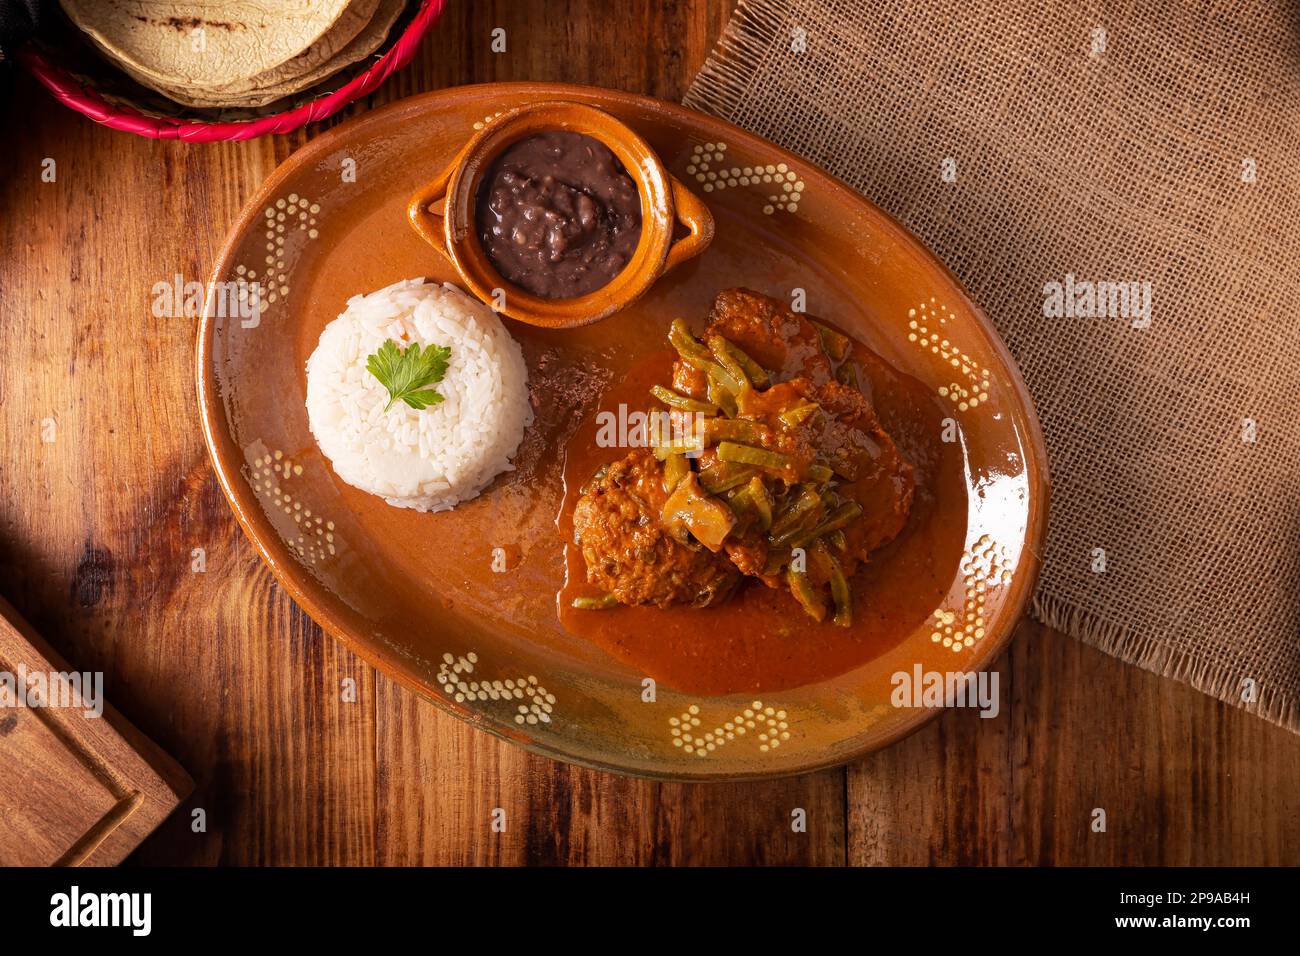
(706, 166)
(280, 219)
(766, 724)
(454, 674)
(487, 119)
(925, 328)
(984, 568)
(267, 473)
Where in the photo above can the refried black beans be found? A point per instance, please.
(558, 215)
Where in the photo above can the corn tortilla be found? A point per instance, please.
(264, 89)
(208, 44)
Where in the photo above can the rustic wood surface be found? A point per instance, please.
(98, 520)
(74, 791)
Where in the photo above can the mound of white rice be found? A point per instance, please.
(437, 457)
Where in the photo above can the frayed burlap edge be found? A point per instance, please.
(723, 79)
(1271, 703)
(718, 89)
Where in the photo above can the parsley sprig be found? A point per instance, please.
(410, 374)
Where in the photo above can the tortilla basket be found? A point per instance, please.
(90, 86)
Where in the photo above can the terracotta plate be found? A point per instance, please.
(461, 607)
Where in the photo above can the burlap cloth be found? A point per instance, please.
(1152, 141)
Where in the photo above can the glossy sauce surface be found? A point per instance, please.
(412, 593)
(558, 215)
(760, 640)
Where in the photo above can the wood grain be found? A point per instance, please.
(301, 754)
(80, 784)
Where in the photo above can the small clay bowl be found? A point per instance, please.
(443, 214)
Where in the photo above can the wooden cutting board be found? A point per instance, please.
(73, 789)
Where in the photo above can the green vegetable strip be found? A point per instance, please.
(676, 467)
(760, 457)
(762, 502)
(723, 429)
(794, 534)
(796, 511)
(687, 346)
(841, 596)
(697, 356)
(724, 477)
(835, 344)
(720, 348)
(741, 502)
(845, 469)
(726, 379)
(798, 415)
(757, 374)
(776, 560)
(806, 594)
(595, 603)
(692, 351)
(736, 475)
(662, 452)
(836, 520)
(674, 400)
(720, 393)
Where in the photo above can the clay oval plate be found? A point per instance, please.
(461, 607)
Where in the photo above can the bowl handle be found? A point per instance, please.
(427, 209)
(695, 216)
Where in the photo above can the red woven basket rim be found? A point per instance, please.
(72, 93)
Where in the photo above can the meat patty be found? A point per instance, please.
(850, 437)
(628, 550)
(772, 335)
(883, 481)
(644, 546)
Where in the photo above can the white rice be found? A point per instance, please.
(433, 459)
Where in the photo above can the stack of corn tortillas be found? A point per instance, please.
(234, 53)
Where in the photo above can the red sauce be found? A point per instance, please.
(761, 640)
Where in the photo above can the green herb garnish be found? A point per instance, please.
(410, 374)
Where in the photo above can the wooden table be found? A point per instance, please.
(97, 529)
